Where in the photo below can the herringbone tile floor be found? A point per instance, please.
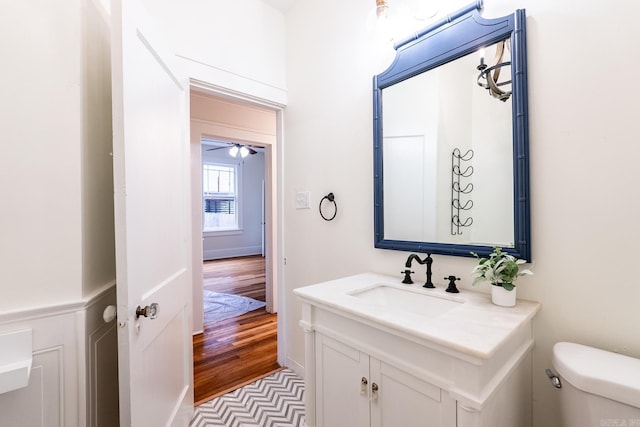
(273, 401)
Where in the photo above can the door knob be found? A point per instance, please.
(109, 313)
(150, 311)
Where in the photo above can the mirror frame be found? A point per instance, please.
(459, 34)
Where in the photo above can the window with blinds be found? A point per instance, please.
(226, 206)
(220, 198)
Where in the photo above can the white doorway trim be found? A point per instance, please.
(273, 211)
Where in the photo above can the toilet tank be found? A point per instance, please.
(599, 388)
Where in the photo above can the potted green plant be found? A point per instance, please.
(501, 269)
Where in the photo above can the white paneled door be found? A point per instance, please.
(151, 172)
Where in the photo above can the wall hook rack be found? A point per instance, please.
(457, 190)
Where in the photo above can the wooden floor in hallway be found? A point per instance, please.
(236, 351)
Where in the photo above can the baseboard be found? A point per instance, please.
(211, 254)
(295, 367)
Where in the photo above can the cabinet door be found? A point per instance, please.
(342, 399)
(403, 400)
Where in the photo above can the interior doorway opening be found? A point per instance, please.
(223, 123)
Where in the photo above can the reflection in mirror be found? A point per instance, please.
(447, 153)
(451, 168)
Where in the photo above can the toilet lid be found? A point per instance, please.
(599, 372)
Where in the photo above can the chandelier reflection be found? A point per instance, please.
(489, 75)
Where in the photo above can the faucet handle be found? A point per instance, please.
(407, 276)
(452, 284)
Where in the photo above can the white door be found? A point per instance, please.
(151, 172)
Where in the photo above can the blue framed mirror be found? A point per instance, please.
(451, 139)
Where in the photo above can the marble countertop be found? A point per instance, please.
(475, 326)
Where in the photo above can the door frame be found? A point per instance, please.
(274, 274)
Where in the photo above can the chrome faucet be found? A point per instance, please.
(428, 260)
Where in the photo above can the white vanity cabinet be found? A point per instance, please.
(354, 389)
(384, 363)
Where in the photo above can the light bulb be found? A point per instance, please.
(381, 9)
(233, 151)
(244, 152)
(482, 65)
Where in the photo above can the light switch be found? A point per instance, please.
(302, 200)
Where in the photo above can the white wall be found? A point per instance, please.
(235, 45)
(98, 243)
(56, 182)
(40, 169)
(583, 129)
(57, 241)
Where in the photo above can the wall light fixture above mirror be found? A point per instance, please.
(451, 171)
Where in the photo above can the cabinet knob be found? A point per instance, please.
(363, 385)
(374, 391)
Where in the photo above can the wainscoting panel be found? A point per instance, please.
(51, 397)
(102, 363)
(74, 376)
(40, 403)
(104, 379)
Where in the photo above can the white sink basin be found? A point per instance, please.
(395, 298)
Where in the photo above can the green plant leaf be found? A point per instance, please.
(508, 286)
(499, 267)
(477, 280)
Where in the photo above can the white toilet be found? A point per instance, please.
(598, 388)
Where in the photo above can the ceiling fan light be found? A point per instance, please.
(233, 151)
(244, 151)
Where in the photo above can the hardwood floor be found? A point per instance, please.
(236, 351)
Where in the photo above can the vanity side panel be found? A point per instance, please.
(473, 384)
(309, 365)
(511, 405)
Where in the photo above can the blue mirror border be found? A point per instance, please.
(457, 35)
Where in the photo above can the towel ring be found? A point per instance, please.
(331, 198)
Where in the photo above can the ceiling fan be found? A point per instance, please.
(236, 149)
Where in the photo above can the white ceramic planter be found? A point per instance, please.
(500, 296)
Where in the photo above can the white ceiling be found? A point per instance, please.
(282, 5)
